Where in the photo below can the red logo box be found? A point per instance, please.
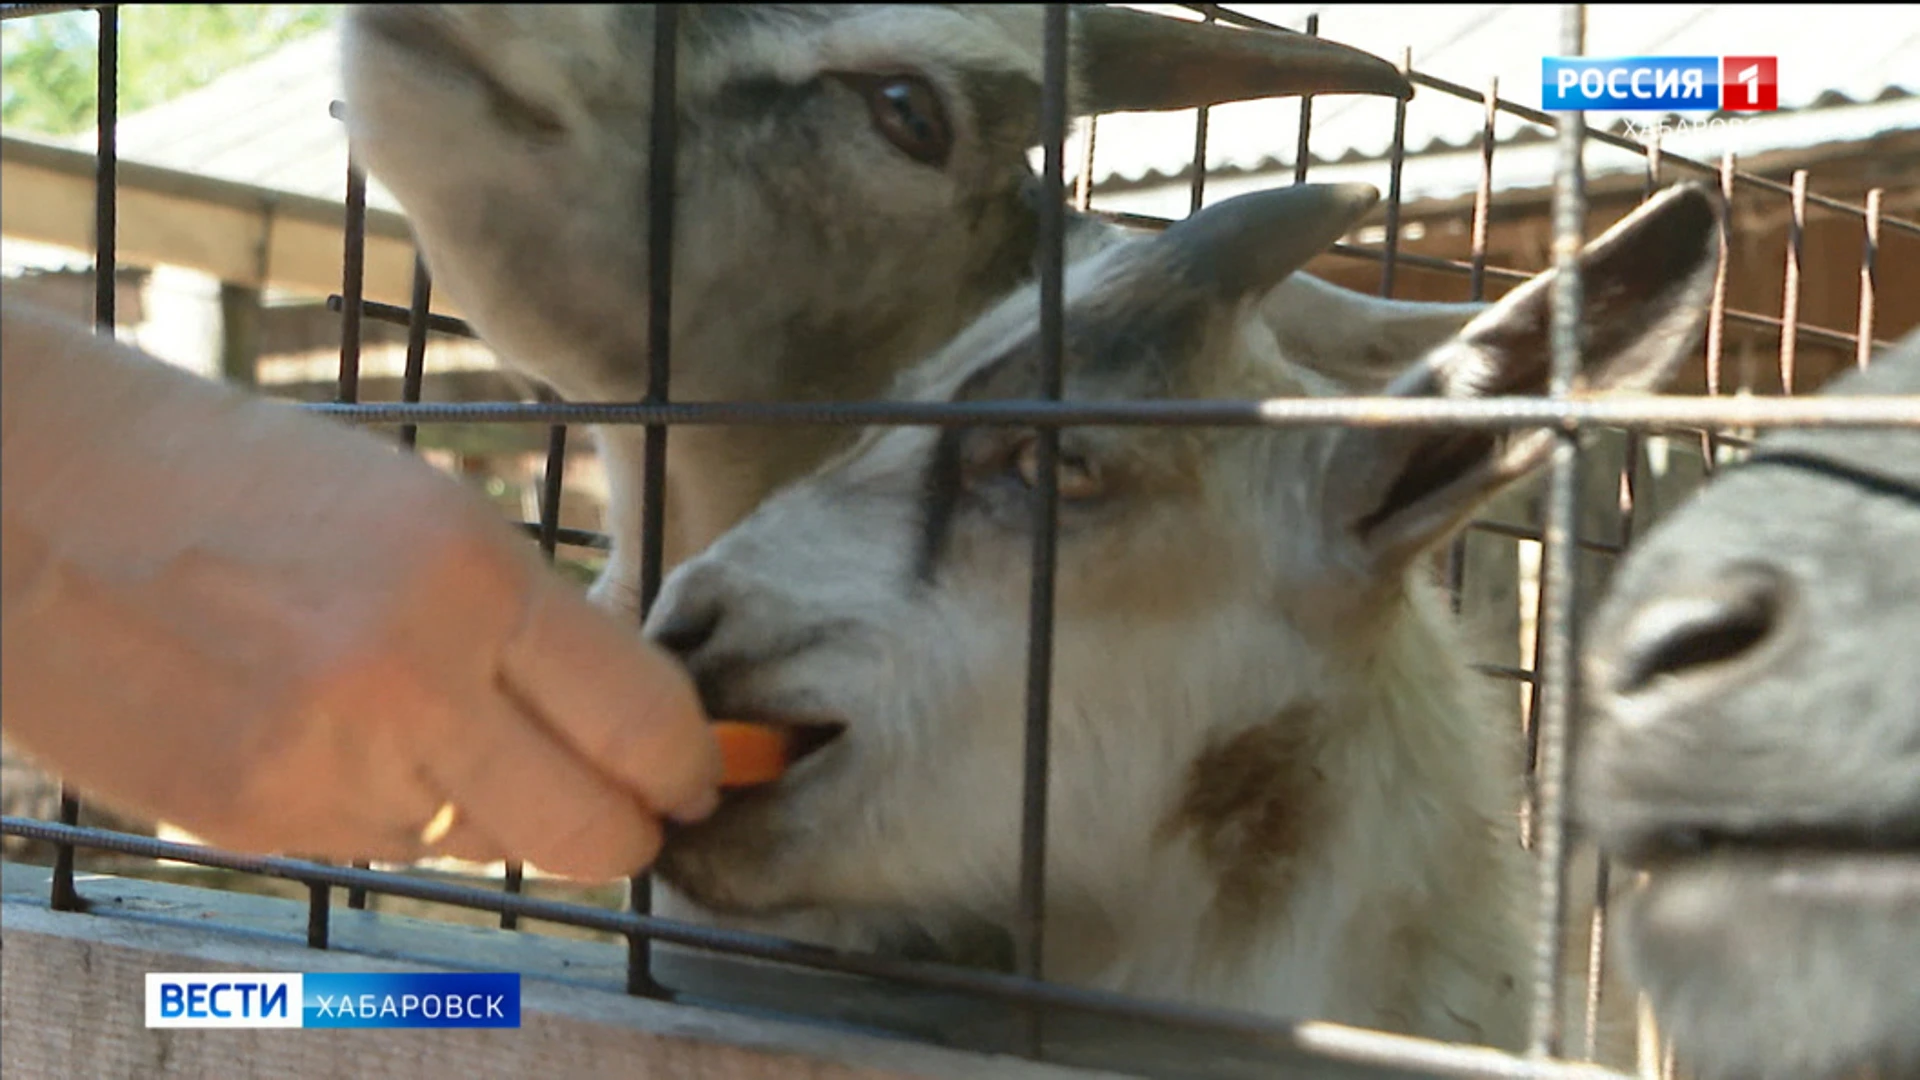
(1749, 83)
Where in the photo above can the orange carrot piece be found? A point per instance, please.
(750, 754)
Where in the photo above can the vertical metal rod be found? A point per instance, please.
(1029, 938)
(551, 483)
(1390, 257)
(1869, 280)
(1559, 569)
(550, 490)
(419, 305)
(1083, 187)
(1530, 722)
(1483, 194)
(1476, 291)
(357, 898)
(1654, 165)
(1646, 1040)
(1300, 151)
(62, 894)
(1197, 194)
(1457, 571)
(1717, 307)
(352, 286)
(1790, 291)
(1603, 878)
(319, 910)
(1647, 1032)
(1629, 495)
(663, 142)
(352, 291)
(415, 374)
(514, 883)
(106, 172)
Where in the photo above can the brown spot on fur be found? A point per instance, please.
(1250, 805)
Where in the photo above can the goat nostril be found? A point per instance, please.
(1691, 631)
(686, 629)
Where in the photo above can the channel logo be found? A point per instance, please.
(1660, 83)
(229, 999)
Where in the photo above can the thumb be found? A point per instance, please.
(615, 699)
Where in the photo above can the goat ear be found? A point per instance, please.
(1359, 340)
(1133, 61)
(1397, 491)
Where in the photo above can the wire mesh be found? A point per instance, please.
(1552, 680)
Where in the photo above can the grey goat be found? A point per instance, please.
(853, 186)
(1754, 746)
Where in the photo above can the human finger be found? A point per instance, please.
(616, 700)
(511, 780)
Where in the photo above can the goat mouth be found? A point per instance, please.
(805, 735)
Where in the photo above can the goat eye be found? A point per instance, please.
(908, 111)
(1079, 477)
(526, 120)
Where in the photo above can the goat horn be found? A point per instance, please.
(1252, 242)
(1133, 61)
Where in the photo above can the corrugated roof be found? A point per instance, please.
(1528, 166)
(1832, 56)
(266, 123)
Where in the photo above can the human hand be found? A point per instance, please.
(282, 635)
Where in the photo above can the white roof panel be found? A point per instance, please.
(1852, 52)
(266, 123)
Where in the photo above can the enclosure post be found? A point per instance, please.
(1559, 571)
(663, 139)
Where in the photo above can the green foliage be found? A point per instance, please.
(49, 65)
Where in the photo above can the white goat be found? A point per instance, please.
(1274, 783)
(853, 187)
(1755, 746)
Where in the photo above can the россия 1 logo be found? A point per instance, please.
(1660, 83)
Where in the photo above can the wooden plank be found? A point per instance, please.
(71, 987)
(240, 234)
(72, 992)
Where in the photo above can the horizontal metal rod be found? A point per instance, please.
(572, 537)
(588, 539)
(394, 313)
(1461, 268)
(1528, 532)
(1327, 1040)
(447, 324)
(600, 541)
(1503, 671)
(1645, 413)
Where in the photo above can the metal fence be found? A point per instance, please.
(1551, 680)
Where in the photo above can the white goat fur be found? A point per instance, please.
(1275, 784)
